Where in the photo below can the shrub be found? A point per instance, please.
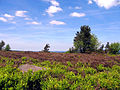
(114, 48)
(7, 48)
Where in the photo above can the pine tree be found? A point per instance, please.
(82, 40)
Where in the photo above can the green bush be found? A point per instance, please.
(114, 48)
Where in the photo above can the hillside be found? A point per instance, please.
(61, 71)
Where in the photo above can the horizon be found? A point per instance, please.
(27, 25)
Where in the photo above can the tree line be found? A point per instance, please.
(86, 42)
(6, 48)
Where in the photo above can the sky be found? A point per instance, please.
(30, 24)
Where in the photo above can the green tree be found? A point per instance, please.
(101, 48)
(2, 43)
(71, 50)
(7, 48)
(85, 41)
(94, 42)
(107, 47)
(114, 48)
(46, 48)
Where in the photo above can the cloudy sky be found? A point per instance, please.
(30, 24)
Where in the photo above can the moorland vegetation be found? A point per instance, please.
(86, 66)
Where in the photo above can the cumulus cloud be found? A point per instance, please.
(53, 9)
(107, 3)
(10, 17)
(55, 3)
(34, 23)
(3, 19)
(75, 14)
(21, 13)
(90, 2)
(57, 22)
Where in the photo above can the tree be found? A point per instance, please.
(2, 43)
(46, 48)
(114, 48)
(7, 48)
(85, 41)
(107, 47)
(101, 48)
(94, 42)
(71, 50)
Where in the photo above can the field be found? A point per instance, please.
(64, 71)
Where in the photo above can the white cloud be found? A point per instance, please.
(53, 9)
(75, 14)
(10, 17)
(90, 2)
(57, 22)
(3, 19)
(34, 22)
(77, 7)
(55, 3)
(107, 3)
(21, 13)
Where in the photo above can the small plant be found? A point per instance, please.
(79, 64)
(69, 64)
(24, 58)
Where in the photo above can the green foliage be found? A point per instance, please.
(87, 70)
(85, 41)
(71, 50)
(94, 43)
(58, 77)
(100, 67)
(69, 64)
(101, 48)
(79, 64)
(2, 43)
(7, 48)
(107, 48)
(114, 48)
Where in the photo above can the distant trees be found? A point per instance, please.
(100, 50)
(107, 48)
(7, 48)
(84, 41)
(46, 48)
(114, 48)
(2, 43)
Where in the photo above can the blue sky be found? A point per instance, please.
(30, 24)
